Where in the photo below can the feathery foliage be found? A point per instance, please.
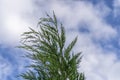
(51, 59)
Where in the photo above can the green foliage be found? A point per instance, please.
(51, 59)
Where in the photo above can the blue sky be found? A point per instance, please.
(95, 22)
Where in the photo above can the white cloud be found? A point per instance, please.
(116, 8)
(82, 12)
(98, 63)
(5, 68)
(12, 63)
(14, 19)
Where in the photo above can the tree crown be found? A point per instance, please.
(52, 59)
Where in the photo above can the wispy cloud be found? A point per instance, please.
(5, 68)
(116, 8)
(80, 18)
(96, 60)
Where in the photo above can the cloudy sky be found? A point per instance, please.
(95, 22)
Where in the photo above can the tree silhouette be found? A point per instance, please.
(52, 60)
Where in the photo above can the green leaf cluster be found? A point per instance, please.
(52, 60)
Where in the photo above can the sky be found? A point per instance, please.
(95, 22)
